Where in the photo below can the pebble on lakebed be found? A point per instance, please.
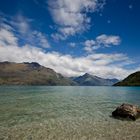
(127, 111)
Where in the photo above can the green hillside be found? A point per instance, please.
(131, 80)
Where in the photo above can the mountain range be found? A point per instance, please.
(34, 74)
(91, 80)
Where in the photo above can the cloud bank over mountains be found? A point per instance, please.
(100, 64)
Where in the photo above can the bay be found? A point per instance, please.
(66, 113)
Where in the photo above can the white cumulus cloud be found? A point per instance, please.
(7, 37)
(101, 41)
(20, 26)
(107, 40)
(40, 39)
(71, 15)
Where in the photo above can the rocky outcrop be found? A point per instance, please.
(127, 111)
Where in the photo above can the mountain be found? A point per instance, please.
(90, 80)
(30, 74)
(131, 80)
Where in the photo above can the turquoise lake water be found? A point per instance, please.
(66, 113)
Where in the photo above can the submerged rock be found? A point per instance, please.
(127, 111)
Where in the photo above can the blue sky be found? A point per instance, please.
(101, 37)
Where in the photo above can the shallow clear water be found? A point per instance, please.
(66, 113)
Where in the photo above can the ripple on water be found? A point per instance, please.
(66, 113)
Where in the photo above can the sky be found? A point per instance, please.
(73, 37)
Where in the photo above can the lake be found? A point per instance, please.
(66, 113)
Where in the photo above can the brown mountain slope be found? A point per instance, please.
(30, 74)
